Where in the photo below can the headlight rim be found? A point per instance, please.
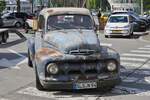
(109, 68)
(52, 65)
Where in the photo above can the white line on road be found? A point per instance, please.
(106, 44)
(136, 55)
(147, 46)
(131, 64)
(12, 51)
(140, 51)
(144, 48)
(132, 59)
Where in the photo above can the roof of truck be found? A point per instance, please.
(64, 10)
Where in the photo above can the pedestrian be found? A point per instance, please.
(99, 18)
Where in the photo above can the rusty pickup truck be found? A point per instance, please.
(66, 52)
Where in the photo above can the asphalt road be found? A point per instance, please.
(17, 80)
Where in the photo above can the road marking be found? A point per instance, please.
(8, 64)
(23, 61)
(13, 64)
(140, 51)
(136, 55)
(106, 44)
(144, 48)
(132, 59)
(147, 93)
(12, 51)
(147, 46)
(3, 99)
(147, 79)
(131, 64)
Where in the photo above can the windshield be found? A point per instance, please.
(69, 22)
(118, 19)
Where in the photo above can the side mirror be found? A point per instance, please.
(35, 25)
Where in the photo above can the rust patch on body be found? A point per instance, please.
(47, 52)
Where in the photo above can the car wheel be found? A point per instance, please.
(18, 25)
(106, 36)
(38, 83)
(29, 60)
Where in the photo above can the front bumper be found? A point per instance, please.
(120, 32)
(101, 83)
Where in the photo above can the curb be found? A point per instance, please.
(142, 37)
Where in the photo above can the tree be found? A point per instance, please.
(146, 4)
(18, 5)
(2, 5)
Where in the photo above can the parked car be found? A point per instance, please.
(141, 23)
(119, 25)
(21, 15)
(11, 21)
(66, 54)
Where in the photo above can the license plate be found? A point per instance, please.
(116, 31)
(85, 85)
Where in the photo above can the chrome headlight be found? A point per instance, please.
(111, 66)
(52, 69)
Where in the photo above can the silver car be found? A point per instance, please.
(11, 21)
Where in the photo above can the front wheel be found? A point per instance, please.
(38, 83)
(29, 60)
(18, 25)
(106, 36)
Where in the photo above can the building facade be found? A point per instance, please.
(25, 6)
(127, 5)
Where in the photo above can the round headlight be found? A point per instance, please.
(111, 66)
(52, 69)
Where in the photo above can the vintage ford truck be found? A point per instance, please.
(66, 52)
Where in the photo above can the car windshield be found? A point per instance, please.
(59, 22)
(118, 19)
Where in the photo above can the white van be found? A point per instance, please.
(118, 25)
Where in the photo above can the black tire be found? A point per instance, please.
(18, 25)
(106, 36)
(38, 83)
(29, 60)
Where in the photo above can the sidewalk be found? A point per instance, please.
(147, 37)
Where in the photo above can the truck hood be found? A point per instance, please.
(73, 41)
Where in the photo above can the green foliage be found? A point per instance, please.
(2, 5)
(146, 5)
(96, 4)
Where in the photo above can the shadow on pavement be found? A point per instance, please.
(135, 36)
(9, 44)
(137, 87)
